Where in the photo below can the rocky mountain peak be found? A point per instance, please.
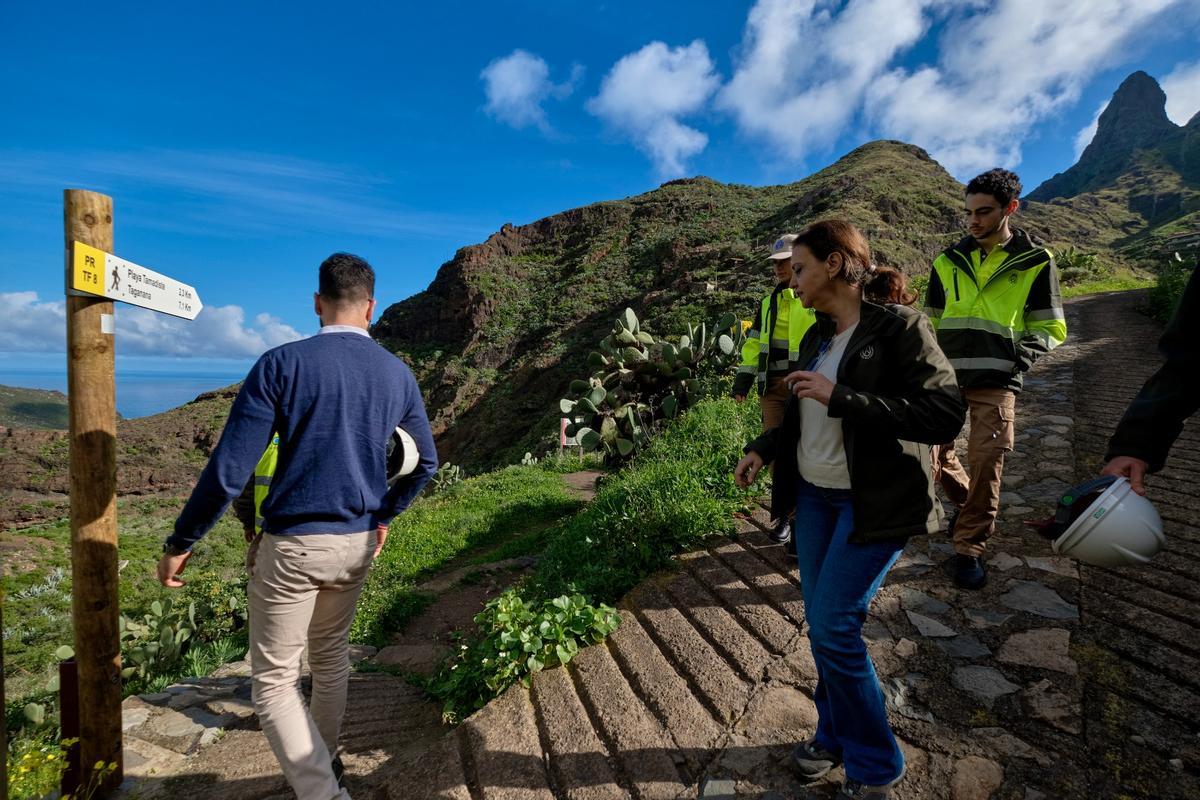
(1135, 119)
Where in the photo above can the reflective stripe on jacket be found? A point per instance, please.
(993, 329)
(263, 472)
(757, 348)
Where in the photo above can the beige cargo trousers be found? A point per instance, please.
(302, 594)
(977, 492)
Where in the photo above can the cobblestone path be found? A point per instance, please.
(1048, 683)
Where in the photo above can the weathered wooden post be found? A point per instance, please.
(91, 396)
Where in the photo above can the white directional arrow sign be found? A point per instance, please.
(97, 272)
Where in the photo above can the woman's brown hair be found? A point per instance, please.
(879, 284)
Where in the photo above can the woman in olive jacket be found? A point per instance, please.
(852, 459)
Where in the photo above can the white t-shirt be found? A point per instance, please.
(821, 452)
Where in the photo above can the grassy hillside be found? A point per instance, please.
(32, 408)
(506, 324)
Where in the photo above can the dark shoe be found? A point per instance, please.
(969, 572)
(854, 790)
(812, 760)
(782, 532)
(339, 772)
(790, 547)
(857, 790)
(952, 522)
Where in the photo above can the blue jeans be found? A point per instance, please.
(838, 580)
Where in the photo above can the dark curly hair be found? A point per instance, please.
(1001, 184)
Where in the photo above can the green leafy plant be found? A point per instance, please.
(1077, 266)
(447, 475)
(220, 602)
(155, 645)
(517, 638)
(1173, 275)
(639, 380)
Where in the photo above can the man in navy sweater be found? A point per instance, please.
(334, 399)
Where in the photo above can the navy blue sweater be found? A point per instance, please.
(334, 399)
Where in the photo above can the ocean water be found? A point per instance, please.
(140, 392)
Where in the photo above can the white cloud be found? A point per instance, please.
(1088, 132)
(1183, 92)
(645, 93)
(809, 72)
(36, 326)
(1003, 71)
(518, 84)
(803, 70)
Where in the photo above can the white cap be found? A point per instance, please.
(782, 247)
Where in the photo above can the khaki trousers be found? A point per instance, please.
(302, 592)
(773, 403)
(977, 492)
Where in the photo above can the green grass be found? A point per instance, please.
(676, 493)
(37, 603)
(1114, 283)
(478, 513)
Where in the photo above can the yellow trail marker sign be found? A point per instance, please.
(103, 274)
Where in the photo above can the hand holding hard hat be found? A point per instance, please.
(1103, 522)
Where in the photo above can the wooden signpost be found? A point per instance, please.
(95, 278)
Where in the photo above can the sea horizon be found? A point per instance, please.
(143, 389)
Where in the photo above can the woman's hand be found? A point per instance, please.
(747, 469)
(812, 385)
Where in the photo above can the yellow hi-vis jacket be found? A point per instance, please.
(761, 337)
(263, 472)
(995, 316)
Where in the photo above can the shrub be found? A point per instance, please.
(220, 603)
(1173, 275)
(479, 511)
(677, 492)
(1077, 266)
(516, 639)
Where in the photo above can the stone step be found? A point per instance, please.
(778, 588)
(667, 693)
(776, 632)
(1149, 687)
(579, 762)
(714, 679)
(1127, 585)
(719, 626)
(647, 756)
(1179, 667)
(504, 757)
(774, 554)
(437, 775)
(1165, 629)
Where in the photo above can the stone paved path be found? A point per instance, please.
(1049, 683)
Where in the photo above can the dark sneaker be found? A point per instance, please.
(782, 532)
(854, 790)
(969, 572)
(857, 790)
(790, 547)
(339, 772)
(812, 760)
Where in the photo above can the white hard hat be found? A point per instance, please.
(1107, 524)
(402, 455)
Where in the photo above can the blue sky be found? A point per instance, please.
(245, 142)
